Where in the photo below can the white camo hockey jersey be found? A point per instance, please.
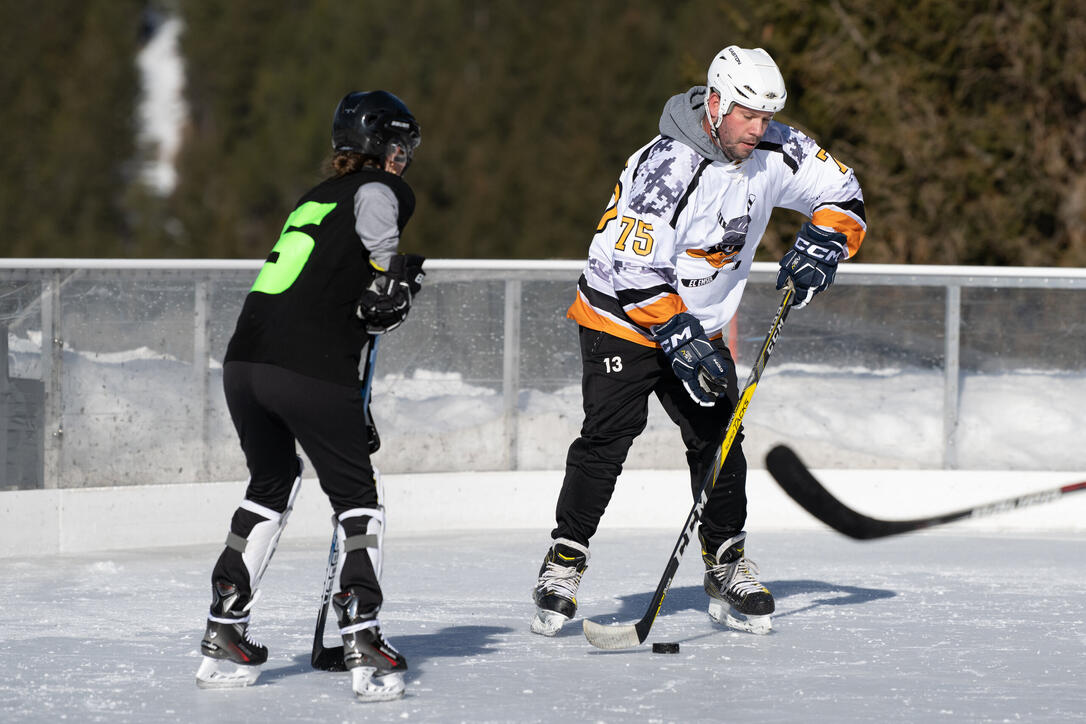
(680, 231)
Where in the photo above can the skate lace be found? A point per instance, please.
(738, 576)
(247, 638)
(562, 580)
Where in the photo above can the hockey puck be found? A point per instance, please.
(668, 648)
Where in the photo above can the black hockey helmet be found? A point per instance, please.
(367, 122)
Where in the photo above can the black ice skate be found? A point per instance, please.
(376, 667)
(555, 592)
(231, 658)
(736, 598)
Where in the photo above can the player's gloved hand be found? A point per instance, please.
(694, 360)
(811, 263)
(409, 268)
(387, 299)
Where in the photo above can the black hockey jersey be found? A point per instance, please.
(300, 312)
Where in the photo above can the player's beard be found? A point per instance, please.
(735, 150)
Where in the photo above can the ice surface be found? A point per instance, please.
(939, 626)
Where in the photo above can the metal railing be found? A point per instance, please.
(110, 366)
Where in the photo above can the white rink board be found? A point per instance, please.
(45, 522)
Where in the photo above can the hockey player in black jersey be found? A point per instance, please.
(333, 279)
(666, 270)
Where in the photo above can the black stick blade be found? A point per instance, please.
(796, 480)
(330, 659)
(804, 488)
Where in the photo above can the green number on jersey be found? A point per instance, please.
(292, 251)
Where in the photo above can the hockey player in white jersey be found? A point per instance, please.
(666, 271)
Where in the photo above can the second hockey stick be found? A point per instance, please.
(331, 658)
(798, 481)
(367, 392)
(624, 636)
(327, 658)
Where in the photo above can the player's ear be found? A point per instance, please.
(714, 104)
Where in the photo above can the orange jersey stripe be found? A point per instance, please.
(584, 315)
(658, 312)
(853, 230)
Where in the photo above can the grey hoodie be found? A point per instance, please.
(682, 118)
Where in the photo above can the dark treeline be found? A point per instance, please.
(965, 121)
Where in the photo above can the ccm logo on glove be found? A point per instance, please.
(677, 339)
(811, 263)
(830, 254)
(694, 360)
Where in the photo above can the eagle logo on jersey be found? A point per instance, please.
(725, 251)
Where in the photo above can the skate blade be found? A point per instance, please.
(222, 674)
(727, 615)
(547, 623)
(369, 688)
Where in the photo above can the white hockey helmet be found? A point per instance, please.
(747, 77)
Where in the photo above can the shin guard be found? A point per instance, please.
(257, 545)
(360, 533)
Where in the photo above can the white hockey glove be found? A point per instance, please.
(811, 263)
(694, 360)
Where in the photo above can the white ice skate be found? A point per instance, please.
(736, 598)
(548, 623)
(728, 615)
(370, 686)
(231, 658)
(555, 593)
(376, 667)
(224, 674)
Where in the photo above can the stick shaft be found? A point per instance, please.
(320, 658)
(328, 658)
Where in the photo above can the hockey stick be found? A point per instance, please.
(331, 658)
(327, 659)
(804, 488)
(624, 636)
(367, 389)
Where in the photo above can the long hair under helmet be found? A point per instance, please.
(369, 122)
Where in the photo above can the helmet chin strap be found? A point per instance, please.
(714, 132)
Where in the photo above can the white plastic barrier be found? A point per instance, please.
(48, 522)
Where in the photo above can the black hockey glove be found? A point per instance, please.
(811, 263)
(409, 268)
(387, 300)
(694, 360)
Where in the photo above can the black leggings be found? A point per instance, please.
(272, 407)
(618, 377)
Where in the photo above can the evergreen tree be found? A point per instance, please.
(69, 87)
(963, 121)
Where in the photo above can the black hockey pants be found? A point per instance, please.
(272, 407)
(617, 378)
